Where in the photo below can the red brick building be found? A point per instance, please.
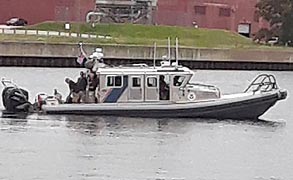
(36, 11)
(234, 15)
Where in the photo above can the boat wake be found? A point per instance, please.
(110, 120)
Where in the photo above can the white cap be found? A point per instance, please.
(97, 55)
(99, 50)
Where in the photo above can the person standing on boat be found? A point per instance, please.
(97, 57)
(58, 96)
(81, 88)
(72, 97)
(164, 89)
(92, 87)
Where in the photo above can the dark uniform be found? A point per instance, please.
(81, 88)
(93, 84)
(71, 98)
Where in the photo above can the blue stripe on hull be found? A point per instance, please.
(117, 92)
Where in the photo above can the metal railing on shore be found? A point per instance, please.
(51, 33)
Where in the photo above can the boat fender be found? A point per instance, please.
(191, 96)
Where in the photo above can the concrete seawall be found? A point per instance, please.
(54, 53)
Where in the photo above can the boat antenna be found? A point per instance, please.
(155, 49)
(177, 52)
(169, 50)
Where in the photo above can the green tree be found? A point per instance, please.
(279, 13)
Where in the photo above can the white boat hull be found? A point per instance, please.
(241, 106)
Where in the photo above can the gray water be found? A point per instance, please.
(80, 147)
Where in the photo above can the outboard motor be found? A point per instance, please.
(15, 99)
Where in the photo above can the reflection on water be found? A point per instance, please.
(94, 123)
(134, 148)
(91, 147)
(12, 125)
(95, 126)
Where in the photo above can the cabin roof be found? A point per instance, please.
(144, 70)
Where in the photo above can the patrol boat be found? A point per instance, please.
(164, 91)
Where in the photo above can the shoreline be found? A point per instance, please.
(32, 54)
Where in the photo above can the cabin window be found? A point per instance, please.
(110, 81)
(178, 80)
(118, 81)
(136, 82)
(152, 82)
(114, 81)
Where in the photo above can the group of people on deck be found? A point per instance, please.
(84, 90)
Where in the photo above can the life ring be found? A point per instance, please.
(191, 96)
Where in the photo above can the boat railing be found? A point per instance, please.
(6, 83)
(141, 65)
(203, 85)
(262, 83)
(211, 87)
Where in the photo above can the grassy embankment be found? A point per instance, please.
(139, 35)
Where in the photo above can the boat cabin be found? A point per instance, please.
(142, 83)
